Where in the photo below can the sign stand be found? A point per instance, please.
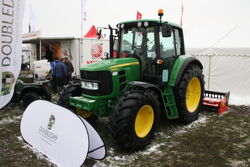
(62, 136)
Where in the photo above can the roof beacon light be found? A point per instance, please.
(160, 12)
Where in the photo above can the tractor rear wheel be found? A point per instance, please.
(189, 94)
(134, 119)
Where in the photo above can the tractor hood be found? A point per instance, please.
(111, 64)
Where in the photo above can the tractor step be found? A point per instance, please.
(216, 101)
(170, 104)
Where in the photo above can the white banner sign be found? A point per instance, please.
(11, 24)
(61, 135)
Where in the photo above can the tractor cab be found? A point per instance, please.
(154, 43)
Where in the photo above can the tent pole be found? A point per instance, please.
(81, 38)
(40, 50)
(209, 71)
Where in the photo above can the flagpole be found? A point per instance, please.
(29, 18)
(82, 18)
(181, 13)
(81, 40)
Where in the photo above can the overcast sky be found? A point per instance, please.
(206, 23)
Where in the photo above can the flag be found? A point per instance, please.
(92, 33)
(138, 16)
(11, 24)
(181, 13)
(32, 25)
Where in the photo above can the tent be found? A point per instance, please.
(226, 69)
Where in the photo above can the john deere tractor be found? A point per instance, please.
(147, 77)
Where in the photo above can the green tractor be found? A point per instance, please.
(146, 78)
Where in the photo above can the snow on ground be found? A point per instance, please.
(202, 120)
(154, 148)
(9, 120)
(38, 154)
(113, 159)
(6, 121)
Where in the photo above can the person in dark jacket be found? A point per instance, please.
(48, 54)
(53, 80)
(60, 73)
(70, 69)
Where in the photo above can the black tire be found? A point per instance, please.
(29, 98)
(70, 91)
(46, 95)
(187, 114)
(73, 90)
(123, 119)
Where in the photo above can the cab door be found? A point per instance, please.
(170, 49)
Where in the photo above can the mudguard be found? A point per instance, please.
(179, 67)
(143, 85)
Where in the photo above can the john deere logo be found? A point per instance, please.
(52, 121)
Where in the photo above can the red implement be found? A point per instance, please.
(216, 100)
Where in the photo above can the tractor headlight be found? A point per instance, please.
(90, 85)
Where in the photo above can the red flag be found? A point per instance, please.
(92, 33)
(138, 16)
(181, 12)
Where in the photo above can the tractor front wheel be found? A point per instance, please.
(73, 90)
(70, 91)
(189, 94)
(134, 119)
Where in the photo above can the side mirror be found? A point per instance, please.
(99, 34)
(166, 30)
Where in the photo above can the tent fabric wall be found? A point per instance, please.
(205, 62)
(228, 73)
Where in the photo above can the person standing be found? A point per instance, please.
(53, 79)
(70, 69)
(48, 54)
(60, 74)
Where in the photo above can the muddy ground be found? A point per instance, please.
(210, 141)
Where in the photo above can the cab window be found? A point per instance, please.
(170, 46)
(177, 42)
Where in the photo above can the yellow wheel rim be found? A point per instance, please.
(193, 94)
(144, 121)
(83, 113)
